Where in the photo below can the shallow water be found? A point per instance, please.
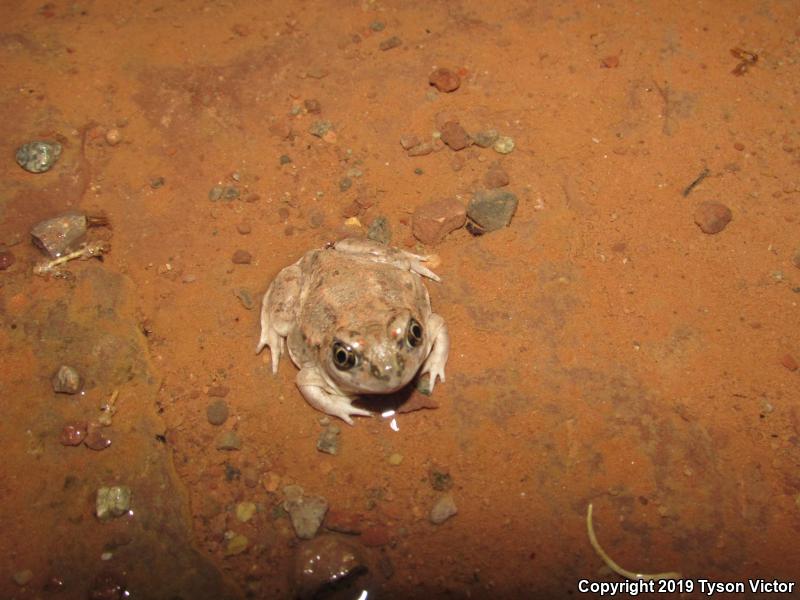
(604, 349)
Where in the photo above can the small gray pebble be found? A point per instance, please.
(215, 193)
(67, 380)
(285, 159)
(328, 441)
(217, 412)
(245, 298)
(345, 184)
(392, 42)
(379, 230)
(377, 26)
(38, 156)
(320, 128)
(444, 508)
(486, 138)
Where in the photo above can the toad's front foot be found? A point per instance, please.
(311, 385)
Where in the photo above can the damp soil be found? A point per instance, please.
(605, 348)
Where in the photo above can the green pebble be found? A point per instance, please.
(245, 511)
(236, 545)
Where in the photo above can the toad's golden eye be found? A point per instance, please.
(414, 333)
(344, 358)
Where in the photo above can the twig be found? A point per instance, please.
(614, 566)
(703, 174)
(90, 250)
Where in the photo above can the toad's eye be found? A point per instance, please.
(344, 358)
(414, 333)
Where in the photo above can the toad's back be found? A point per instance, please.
(341, 291)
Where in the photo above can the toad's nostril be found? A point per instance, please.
(382, 372)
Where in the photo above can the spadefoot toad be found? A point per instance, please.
(357, 319)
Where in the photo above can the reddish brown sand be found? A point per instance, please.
(604, 348)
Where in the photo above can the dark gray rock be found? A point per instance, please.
(492, 209)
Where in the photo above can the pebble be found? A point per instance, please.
(56, 236)
(379, 230)
(395, 459)
(788, 361)
(229, 441)
(22, 578)
(236, 545)
(244, 228)
(610, 62)
(444, 508)
(422, 149)
(242, 257)
(223, 192)
(329, 440)
(408, 141)
(112, 501)
(504, 144)
(244, 297)
(343, 522)
(285, 159)
(73, 434)
(317, 73)
(796, 259)
(306, 514)
(440, 479)
(444, 80)
(271, 481)
(157, 182)
(377, 26)
(113, 136)
(38, 156)
(66, 380)
(316, 219)
(218, 391)
(217, 412)
(492, 210)
(495, 177)
(345, 183)
(245, 511)
(320, 128)
(392, 42)
(312, 106)
(95, 440)
(6, 259)
(712, 217)
(455, 136)
(433, 220)
(327, 563)
(486, 138)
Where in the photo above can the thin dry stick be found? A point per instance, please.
(614, 566)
